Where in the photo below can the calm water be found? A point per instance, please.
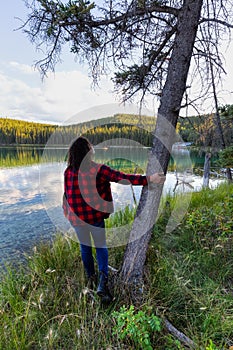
(30, 195)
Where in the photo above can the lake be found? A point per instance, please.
(31, 188)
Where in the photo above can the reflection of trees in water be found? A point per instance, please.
(121, 158)
(125, 165)
(16, 156)
(29, 155)
(124, 159)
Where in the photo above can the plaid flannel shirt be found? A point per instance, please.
(88, 197)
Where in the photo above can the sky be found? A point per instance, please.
(63, 94)
(23, 93)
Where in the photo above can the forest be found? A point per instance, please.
(18, 132)
(200, 130)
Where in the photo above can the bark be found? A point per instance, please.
(206, 175)
(172, 94)
(229, 174)
(218, 121)
(179, 335)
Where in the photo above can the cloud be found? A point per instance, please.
(71, 92)
(60, 96)
(19, 100)
(24, 68)
(23, 95)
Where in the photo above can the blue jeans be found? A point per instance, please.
(97, 233)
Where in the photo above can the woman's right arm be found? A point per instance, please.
(112, 175)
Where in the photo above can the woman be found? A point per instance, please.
(88, 202)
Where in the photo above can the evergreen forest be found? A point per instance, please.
(201, 131)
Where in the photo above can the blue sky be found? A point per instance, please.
(23, 95)
(69, 91)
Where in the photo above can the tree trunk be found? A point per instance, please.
(218, 121)
(172, 94)
(229, 175)
(206, 175)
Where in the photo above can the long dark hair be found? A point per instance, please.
(80, 153)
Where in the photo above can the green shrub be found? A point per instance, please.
(137, 326)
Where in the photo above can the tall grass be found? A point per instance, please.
(189, 272)
(191, 269)
(45, 305)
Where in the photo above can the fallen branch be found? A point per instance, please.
(112, 269)
(179, 335)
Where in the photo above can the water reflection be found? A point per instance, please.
(24, 220)
(11, 156)
(30, 196)
(20, 155)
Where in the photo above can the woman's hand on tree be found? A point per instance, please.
(157, 178)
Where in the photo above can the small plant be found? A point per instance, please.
(136, 325)
(211, 346)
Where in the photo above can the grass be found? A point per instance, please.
(44, 306)
(189, 275)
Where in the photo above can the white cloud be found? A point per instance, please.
(60, 96)
(70, 92)
(24, 68)
(23, 95)
(18, 99)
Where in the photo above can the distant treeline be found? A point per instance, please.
(204, 130)
(13, 132)
(200, 130)
(139, 129)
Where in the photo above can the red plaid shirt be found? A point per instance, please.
(88, 193)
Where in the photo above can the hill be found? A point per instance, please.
(13, 132)
(201, 131)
